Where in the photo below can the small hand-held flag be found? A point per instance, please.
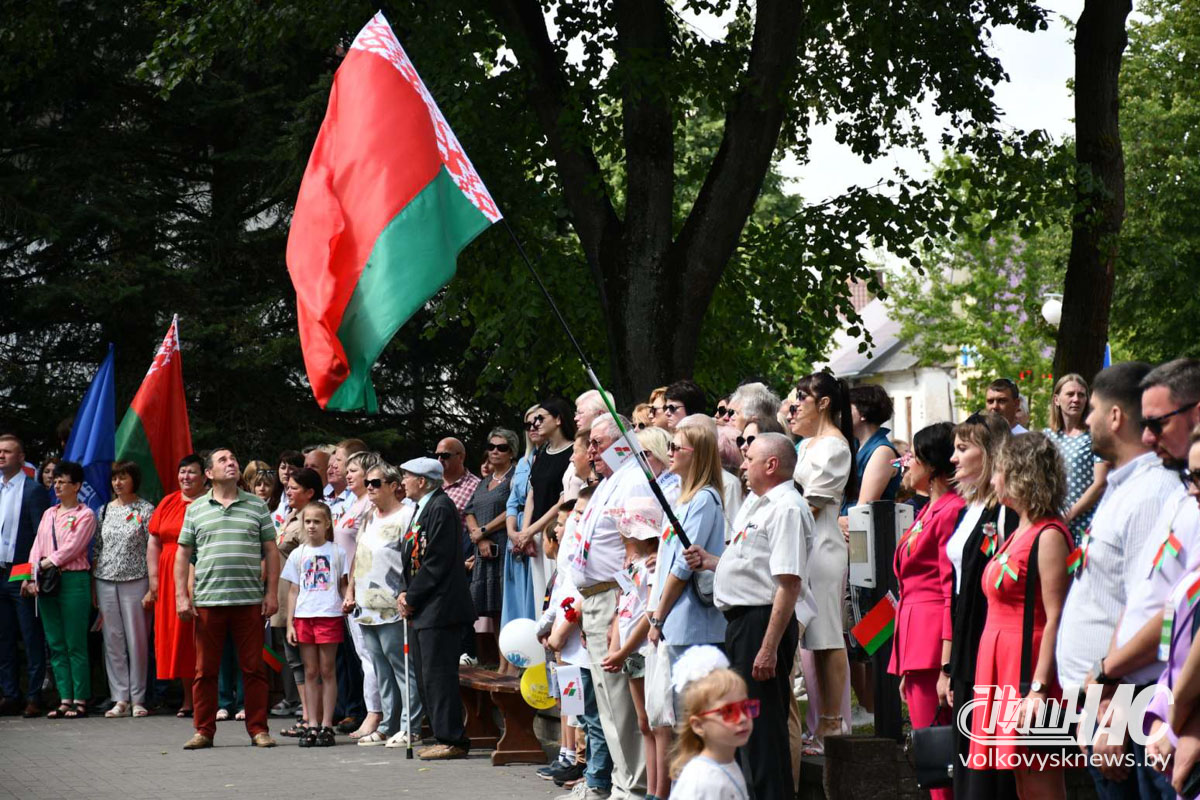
(155, 433)
(271, 658)
(20, 572)
(877, 626)
(91, 444)
(387, 202)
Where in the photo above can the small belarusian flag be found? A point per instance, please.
(877, 626)
(570, 689)
(1171, 545)
(1193, 593)
(21, 572)
(1074, 560)
(668, 534)
(271, 658)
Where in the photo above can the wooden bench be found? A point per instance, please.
(482, 691)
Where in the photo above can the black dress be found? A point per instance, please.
(968, 611)
(487, 580)
(546, 481)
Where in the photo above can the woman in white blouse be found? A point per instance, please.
(825, 471)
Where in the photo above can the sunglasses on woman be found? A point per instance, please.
(503, 447)
(731, 713)
(373, 483)
(536, 422)
(675, 448)
(745, 441)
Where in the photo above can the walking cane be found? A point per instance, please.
(407, 706)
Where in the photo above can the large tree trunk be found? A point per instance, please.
(1100, 40)
(655, 290)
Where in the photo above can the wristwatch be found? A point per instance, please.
(1037, 686)
(946, 670)
(1098, 674)
(655, 622)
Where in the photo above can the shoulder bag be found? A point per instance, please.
(50, 578)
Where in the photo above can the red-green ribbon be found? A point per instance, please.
(1005, 569)
(913, 534)
(1171, 545)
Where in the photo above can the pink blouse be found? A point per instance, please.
(73, 529)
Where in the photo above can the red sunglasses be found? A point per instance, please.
(731, 713)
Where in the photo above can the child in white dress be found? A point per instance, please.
(717, 721)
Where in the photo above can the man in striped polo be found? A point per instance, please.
(230, 534)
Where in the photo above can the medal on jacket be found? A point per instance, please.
(1005, 569)
(990, 538)
(1078, 558)
(913, 534)
(1170, 545)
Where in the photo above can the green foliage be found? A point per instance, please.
(1156, 309)
(983, 290)
(153, 152)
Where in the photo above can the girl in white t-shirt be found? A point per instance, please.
(317, 571)
(717, 721)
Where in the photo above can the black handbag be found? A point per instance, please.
(50, 578)
(933, 754)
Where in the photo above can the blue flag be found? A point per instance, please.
(93, 437)
(1107, 356)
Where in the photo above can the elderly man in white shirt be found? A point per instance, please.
(598, 558)
(1117, 564)
(758, 581)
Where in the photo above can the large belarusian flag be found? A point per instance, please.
(388, 201)
(155, 432)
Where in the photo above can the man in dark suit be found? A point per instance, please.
(23, 500)
(437, 604)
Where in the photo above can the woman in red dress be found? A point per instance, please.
(174, 646)
(926, 579)
(1031, 481)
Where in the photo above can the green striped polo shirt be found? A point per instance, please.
(227, 548)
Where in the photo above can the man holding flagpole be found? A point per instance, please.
(598, 558)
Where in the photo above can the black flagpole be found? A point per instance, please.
(633, 445)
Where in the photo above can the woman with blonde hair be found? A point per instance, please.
(982, 527)
(1087, 475)
(656, 445)
(682, 614)
(1029, 479)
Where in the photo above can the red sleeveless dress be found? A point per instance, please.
(999, 661)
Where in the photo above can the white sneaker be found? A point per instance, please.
(859, 716)
(584, 792)
(468, 661)
(399, 740)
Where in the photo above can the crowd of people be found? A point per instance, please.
(1040, 561)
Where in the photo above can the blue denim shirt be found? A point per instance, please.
(689, 621)
(520, 490)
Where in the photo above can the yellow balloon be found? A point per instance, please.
(535, 687)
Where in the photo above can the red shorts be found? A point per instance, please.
(320, 630)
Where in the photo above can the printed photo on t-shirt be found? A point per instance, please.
(318, 574)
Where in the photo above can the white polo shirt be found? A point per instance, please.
(1156, 571)
(1123, 526)
(769, 539)
(600, 554)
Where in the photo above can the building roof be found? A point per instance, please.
(888, 352)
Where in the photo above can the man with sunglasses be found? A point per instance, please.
(1170, 411)
(1109, 632)
(600, 556)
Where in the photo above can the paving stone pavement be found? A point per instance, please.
(132, 759)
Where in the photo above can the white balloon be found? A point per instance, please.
(519, 643)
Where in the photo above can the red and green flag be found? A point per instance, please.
(155, 433)
(21, 572)
(877, 626)
(1193, 593)
(271, 659)
(387, 202)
